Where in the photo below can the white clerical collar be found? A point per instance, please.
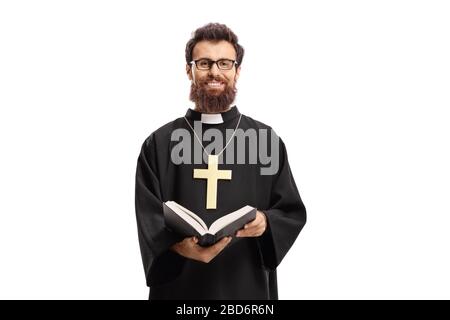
(211, 118)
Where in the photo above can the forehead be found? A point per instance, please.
(213, 50)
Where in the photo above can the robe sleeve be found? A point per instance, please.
(286, 215)
(160, 264)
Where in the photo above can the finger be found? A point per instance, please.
(250, 232)
(220, 245)
(252, 223)
(244, 232)
(249, 229)
(255, 222)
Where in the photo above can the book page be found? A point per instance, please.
(229, 218)
(187, 213)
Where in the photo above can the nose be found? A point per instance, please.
(214, 70)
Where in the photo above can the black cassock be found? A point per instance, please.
(246, 268)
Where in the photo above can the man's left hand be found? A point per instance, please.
(254, 228)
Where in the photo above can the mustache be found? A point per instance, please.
(213, 79)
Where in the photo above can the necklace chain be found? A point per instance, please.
(200, 141)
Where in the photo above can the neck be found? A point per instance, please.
(203, 110)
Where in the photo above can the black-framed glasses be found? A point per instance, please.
(222, 64)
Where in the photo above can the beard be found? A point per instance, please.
(211, 100)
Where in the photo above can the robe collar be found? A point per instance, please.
(213, 118)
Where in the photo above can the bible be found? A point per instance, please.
(187, 224)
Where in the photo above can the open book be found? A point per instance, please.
(187, 223)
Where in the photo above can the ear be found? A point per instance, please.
(189, 71)
(238, 71)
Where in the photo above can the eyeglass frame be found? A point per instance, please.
(211, 62)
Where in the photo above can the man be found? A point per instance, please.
(242, 266)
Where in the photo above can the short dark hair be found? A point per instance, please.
(214, 32)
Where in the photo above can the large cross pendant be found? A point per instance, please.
(212, 174)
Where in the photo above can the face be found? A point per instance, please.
(213, 90)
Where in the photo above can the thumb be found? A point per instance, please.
(219, 246)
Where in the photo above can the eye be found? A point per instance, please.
(203, 63)
(225, 63)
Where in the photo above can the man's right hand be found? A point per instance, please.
(189, 248)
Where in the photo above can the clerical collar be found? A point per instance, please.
(213, 118)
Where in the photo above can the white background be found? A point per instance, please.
(358, 90)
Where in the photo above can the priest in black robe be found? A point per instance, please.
(242, 266)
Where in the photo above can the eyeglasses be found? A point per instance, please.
(222, 64)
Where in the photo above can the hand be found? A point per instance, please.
(189, 248)
(254, 228)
